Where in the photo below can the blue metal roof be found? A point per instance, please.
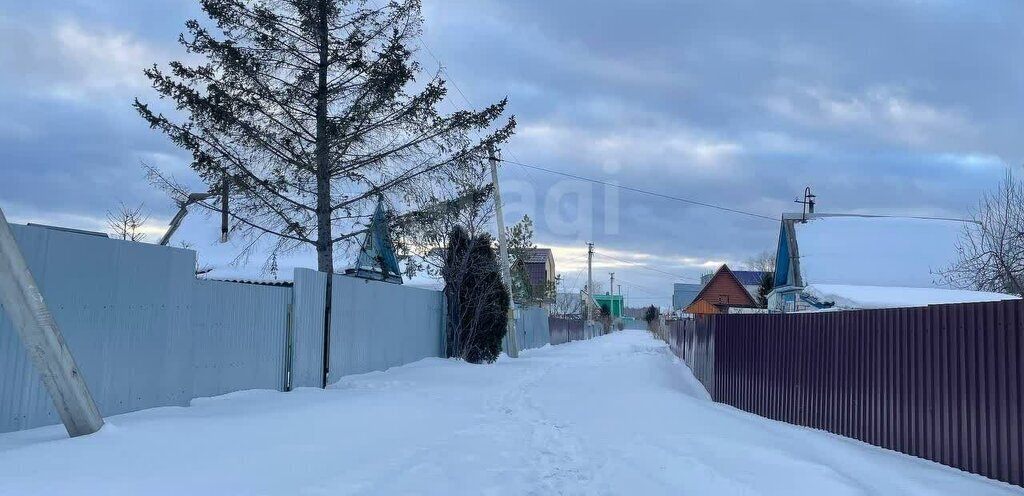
(749, 277)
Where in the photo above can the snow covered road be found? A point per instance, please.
(614, 415)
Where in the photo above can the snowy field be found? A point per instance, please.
(614, 415)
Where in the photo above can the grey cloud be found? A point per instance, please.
(880, 105)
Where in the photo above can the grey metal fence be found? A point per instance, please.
(238, 337)
(377, 325)
(143, 330)
(944, 382)
(565, 330)
(532, 327)
(146, 333)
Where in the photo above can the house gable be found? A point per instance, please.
(723, 290)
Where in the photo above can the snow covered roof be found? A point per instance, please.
(843, 296)
(879, 251)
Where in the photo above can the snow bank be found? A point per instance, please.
(851, 297)
(613, 415)
(878, 251)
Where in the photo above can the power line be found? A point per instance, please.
(643, 191)
(442, 70)
(579, 272)
(465, 98)
(526, 167)
(646, 289)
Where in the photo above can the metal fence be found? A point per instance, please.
(566, 330)
(146, 333)
(692, 340)
(377, 325)
(532, 327)
(238, 337)
(143, 330)
(944, 382)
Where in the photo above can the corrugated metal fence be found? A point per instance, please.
(566, 330)
(146, 333)
(238, 337)
(377, 325)
(944, 382)
(532, 327)
(143, 330)
(692, 340)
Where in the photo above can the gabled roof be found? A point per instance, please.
(724, 272)
(538, 255)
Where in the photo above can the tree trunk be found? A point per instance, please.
(324, 246)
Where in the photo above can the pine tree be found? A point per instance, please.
(651, 314)
(307, 112)
(477, 299)
(767, 285)
(520, 241)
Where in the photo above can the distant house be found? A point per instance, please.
(540, 269)
(722, 292)
(683, 294)
(751, 280)
(840, 261)
(612, 303)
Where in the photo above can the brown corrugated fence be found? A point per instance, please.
(942, 382)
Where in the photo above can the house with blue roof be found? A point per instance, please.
(854, 261)
(683, 294)
(750, 279)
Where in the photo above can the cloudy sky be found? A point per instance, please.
(881, 106)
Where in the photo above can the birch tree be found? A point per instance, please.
(990, 250)
(128, 222)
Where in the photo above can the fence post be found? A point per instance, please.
(50, 355)
(288, 346)
(444, 325)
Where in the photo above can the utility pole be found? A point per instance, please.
(590, 279)
(512, 347)
(50, 355)
(611, 285)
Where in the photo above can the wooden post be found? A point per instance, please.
(50, 355)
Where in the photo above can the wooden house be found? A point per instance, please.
(722, 292)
